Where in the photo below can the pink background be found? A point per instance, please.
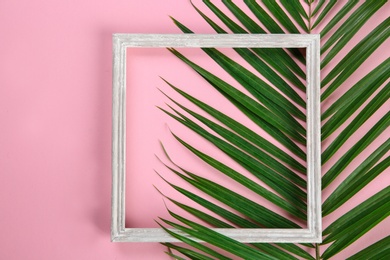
(55, 124)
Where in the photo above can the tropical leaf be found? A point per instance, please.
(207, 235)
(282, 17)
(295, 9)
(349, 28)
(245, 181)
(365, 87)
(249, 208)
(275, 105)
(270, 249)
(245, 132)
(359, 178)
(324, 12)
(352, 61)
(265, 120)
(286, 67)
(362, 117)
(317, 8)
(339, 16)
(268, 21)
(357, 222)
(378, 250)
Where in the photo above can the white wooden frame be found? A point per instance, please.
(119, 233)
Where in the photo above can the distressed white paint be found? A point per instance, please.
(119, 233)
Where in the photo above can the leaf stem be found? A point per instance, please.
(318, 257)
(310, 16)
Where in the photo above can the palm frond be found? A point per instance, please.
(236, 140)
(339, 16)
(275, 105)
(188, 252)
(245, 132)
(265, 70)
(359, 92)
(286, 67)
(250, 166)
(359, 146)
(249, 106)
(207, 235)
(362, 117)
(349, 28)
(324, 12)
(357, 222)
(358, 179)
(378, 250)
(295, 9)
(279, 14)
(317, 8)
(267, 248)
(268, 21)
(263, 92)
(229, 216)
(352, 61)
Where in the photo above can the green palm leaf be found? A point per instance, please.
(317, 8)
(345, 33)
(282, 17)
(270, 249)
(295, 9)
(261, 172)
(191, 253)
(214, 238)
(352, 153)
(378, 250)
(259, 65)
(359, 92)
(268, 21)
(359, 178)
(252, 27)
(229, 216)
(323, 14)
(275, 106)
(288, 65)
(358, 221)
(340, 15)
(245, 132)
(267, 121)
(264, 93)
(362, 117)
(352, 61)
(252, 210)
(247, 182)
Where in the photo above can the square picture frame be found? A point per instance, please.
(311, 42)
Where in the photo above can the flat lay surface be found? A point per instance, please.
(55, 126)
